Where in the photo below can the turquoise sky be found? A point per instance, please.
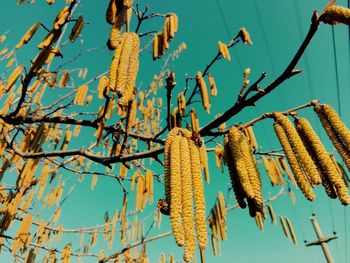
(277, 29)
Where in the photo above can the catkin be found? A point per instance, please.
(272, 214)
(28, 35)
(111, 12)
(204, 92)
(291, 231)
(337, 124)
(284, 227)
(254, 175)
(198, 192)
(127, 70)
(294, 163)
(237, 188)
(187, 199)
(213, 88)
(334, 136)
(176, 192)
(299, 149)
(194, 120)
(113, 70)
(334, 15)
(235, 141)
(181, 102)
(244, 35)
(326, 163)
(77, 28)
(14, 77)
(169, 139)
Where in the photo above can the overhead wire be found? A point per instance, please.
(311, 88)
(268, 49)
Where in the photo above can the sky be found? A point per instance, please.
(277, 28)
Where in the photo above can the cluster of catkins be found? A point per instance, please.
(162, 39)
(244, 173)
(118, 13)
(217, 224)
(309, 160)
(125, 62)
(183, 187)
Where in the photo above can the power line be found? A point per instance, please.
(336, 70)
(268, 49)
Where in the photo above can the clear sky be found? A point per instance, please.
(277, 29)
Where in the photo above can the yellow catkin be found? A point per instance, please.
(252, 137)
(299, 149)
(66, 253)
(286, 168)
(204, 161)
(239, 194)
(254, 175)
(14, 77)
(244, 35)
(272, 214)
(127, 69)
(337, 124)
(291, 231)
(113, 70)
(61, 18)
(176, 192)
(334, 137)
(270, 171)
(169, 139)
(194, 120)
(284, 227)
(28, 35)
(294, 163)
(334, 15)
(187, 200)
(155, 47)
(213, 88)
(76, 29)
(219, 154)
(181, 103)
(111, 12)
(235, 139)
(292, 197)
(198, 193)
(64, 79)
(331, 174)
(102, 87)
(204, 91)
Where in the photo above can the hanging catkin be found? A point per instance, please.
(127, 69)
(331, 174)
(337, 124)
(291, 231)
(294, 163)
(213, 88)
(169, 139)
(204, 91)
(187, 199)
(334, 135)
(299, 149)
(334, 15)
(237, 188)
(176, 192)
(28, 35)
(284, 227)
(77, 28)
(272, 214)
(235, 141)
(254, 175)
(198, 192)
